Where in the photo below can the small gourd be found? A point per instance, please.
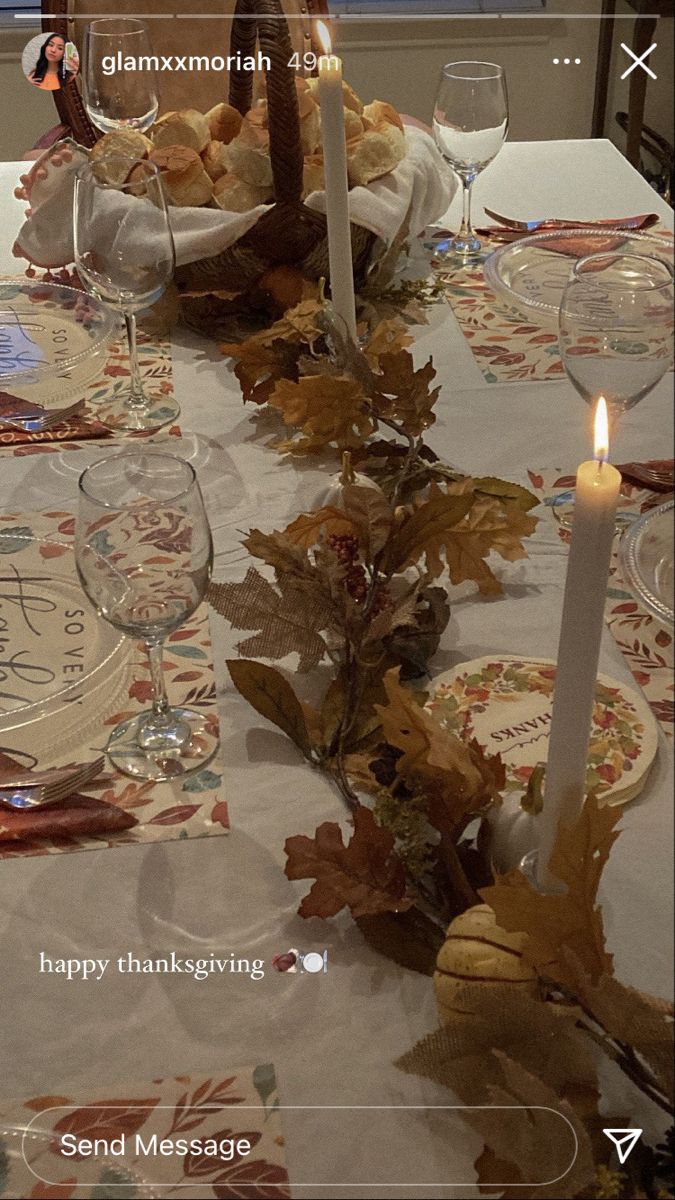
(333, 495)
(514, 829)
(477, 951)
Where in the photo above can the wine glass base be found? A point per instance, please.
(464, 246)
(449, 252)
(194, 748)
(119, 415)
(564, 515)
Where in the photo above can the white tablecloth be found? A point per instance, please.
(332, 1037)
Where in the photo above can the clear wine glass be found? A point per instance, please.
(144, 555)
(616, 332)
(471, 117)
(115, 96)
(125, 256)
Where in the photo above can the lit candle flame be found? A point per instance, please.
(601, 431)
(323, 36)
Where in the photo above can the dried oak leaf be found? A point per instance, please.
(387, 337)
(630, 1017)
(272, 696)
(324, 411)
(370, 512)
(309, 529)
(299, 324)
(365, 875)
(505, 491)
(424, 530)
(413, 642)
(277, 550)
(404, 394)
(289, 619)
(569, 921)
(260, 366)
(507, 1047)
(456, 776)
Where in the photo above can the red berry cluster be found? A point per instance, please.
(381, 600)
(346, 549)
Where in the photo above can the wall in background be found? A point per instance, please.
(26, 111)
(400, 61)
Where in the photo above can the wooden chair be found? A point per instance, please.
(171, 35)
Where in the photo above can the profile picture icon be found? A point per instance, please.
(50, 61)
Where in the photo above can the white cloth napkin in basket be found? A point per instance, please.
(420, 189)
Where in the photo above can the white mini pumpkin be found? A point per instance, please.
(333, 495)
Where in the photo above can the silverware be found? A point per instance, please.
(39, 418)
(658, 479)
(643, 221)
(37, 795)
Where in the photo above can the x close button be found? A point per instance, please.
(638, 62)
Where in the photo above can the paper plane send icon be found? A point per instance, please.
(624, 1140)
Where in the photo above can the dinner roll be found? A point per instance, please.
(128, 143)
(185, 128)
(213, 158)
(236, 195)
(349, 96)
(313, 178)
(310, 120)
(374, 154)
(184, 176)
(354, 126)
(247, 156)
(380, 111)
(224, 122)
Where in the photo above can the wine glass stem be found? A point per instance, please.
(466, 230)
(137, 398)
(160, 700)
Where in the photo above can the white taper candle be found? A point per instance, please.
(595, 502)
(337, 185)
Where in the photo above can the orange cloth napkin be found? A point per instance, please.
(76, 428)
(77, 816)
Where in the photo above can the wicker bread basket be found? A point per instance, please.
(289, 233)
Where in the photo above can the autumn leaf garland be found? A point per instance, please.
(360, 585)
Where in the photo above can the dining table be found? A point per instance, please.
(353, 1123)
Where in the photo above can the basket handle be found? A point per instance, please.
(263, 21)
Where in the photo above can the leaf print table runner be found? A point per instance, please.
(76, 721)
(226, 1107)
(646, 644)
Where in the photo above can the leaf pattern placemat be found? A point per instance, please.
(238, 1104)
(646, 644)
(188, 807)
(506, 347)
(154, 355)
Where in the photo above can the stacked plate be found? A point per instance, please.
(529, 275)
(53, 342)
